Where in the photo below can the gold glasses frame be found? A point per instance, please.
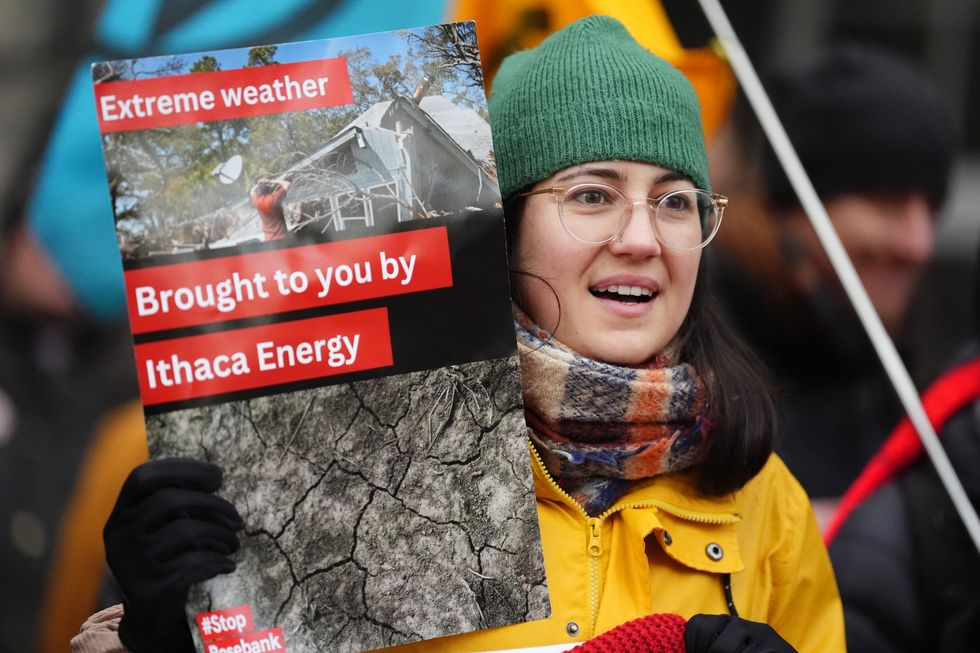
(563, 193)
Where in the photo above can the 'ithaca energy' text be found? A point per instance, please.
(338, 351)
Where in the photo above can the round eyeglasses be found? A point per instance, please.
(685, 219)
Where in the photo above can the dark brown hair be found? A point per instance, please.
(741, 413)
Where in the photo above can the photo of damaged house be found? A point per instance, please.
(403, 159)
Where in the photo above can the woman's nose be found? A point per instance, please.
(639, 236)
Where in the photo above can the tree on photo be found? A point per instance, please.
(262, 55)
(450, 56)
(374, 81)
(452, 47)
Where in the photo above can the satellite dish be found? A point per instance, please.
(229, 171)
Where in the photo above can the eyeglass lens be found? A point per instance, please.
(685, 219)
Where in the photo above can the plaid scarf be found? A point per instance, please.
(598, 426)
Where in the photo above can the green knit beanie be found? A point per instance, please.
(592, 93)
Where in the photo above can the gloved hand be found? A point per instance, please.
(722, 633)
(166, 532)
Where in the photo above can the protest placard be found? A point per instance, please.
(315, 263)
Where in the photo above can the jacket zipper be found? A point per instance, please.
(595, 540)
(595, 556)
(595, 530)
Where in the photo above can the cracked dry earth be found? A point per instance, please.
(377, 512)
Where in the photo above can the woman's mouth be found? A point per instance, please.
(624, 293)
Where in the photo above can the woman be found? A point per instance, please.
(657, 491)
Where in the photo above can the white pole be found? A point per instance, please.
(899, 376)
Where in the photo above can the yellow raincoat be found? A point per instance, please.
(661, 548)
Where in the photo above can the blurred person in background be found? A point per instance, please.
(909, 574)
(878, 147)
(70, 426)
(70, 431)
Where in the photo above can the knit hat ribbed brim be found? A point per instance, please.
(590, 92)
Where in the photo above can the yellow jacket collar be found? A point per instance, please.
(696, 531)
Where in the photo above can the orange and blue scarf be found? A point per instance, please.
(598, 427)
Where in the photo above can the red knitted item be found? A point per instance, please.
(655, 633)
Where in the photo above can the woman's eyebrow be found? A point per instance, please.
(606, 173)
(617, 175)
(670, 176)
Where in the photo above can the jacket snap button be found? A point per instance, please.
(714, 551)
(668, 540)
(571, 628)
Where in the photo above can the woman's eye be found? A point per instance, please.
(679, 202)
(592, 196)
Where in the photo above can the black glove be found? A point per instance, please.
(722, 633)
(166, 532)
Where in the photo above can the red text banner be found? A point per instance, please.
(222, 95)
(256, 357)
(269, 640)
(263, 283)
(225, 623)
